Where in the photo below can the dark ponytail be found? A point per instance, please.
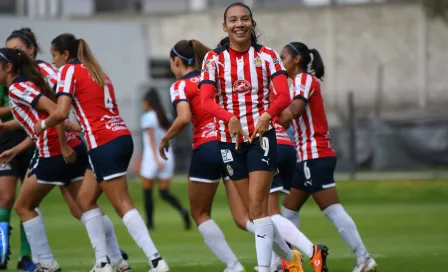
(152, 98)
(224, 41)
(317, 65)
(79, 49)
(254, 36)
(23, 65)
(191, 53)
(27, 36)
(300, 49)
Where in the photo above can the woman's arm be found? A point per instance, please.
(182, 120)
(209, 104)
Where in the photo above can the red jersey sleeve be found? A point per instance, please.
(50, 74)
(210, 106)
(66, 80)
(282, 99)
(25, 92)
(302, 87)
(209, 69)
(177, 92)
(274, 63)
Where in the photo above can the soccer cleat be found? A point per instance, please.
(369, 265)
(26, 264)
(162, 266)
(40, 267)
(124, 254)
(295, 265)
(271, 269)
(228, 269)
(319, 260)
(5, 232)
(102, 267)
(121, 266)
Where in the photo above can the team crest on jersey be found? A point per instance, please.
(241, 87)
(210, 64)
(257, 61)
(230, 170)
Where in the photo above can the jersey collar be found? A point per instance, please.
(192, 74)
(75, 61)
(20, 79)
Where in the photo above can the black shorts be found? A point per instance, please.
(250, 157)
(286, 166)
(315, 175)
(19, 165)
(206, 163)
(55, 171)
(111, 160)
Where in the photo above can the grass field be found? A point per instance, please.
(404, 224)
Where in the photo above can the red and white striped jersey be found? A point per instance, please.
(23, 97)
(95, 106)
(242, 82)
(186, 89)
(50, 74)
(280, 131)
(311, 134)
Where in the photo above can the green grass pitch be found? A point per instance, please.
(404, 224)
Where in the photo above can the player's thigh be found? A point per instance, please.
(117, 192)
(31, 194)
(88, 193)
(237, 206)
(69, 194)
(200, 196)
(295, 199)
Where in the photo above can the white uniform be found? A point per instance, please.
(148, 167)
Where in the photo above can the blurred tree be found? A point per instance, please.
(436, 8)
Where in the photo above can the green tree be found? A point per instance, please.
(436, 8)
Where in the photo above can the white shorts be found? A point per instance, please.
(149, 170)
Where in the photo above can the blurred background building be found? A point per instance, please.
(391, 55)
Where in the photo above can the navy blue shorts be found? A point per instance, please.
(286, 166)
(55, 171)
(206, 163)
(111, 160)
(315, 175)
(250, 157)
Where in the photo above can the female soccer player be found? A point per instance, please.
(154, 124)
(25, 40)
(316, 157)
(206, 169)
(235, 90)
(82, 82)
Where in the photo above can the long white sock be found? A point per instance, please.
(274, 262)
(215, 240)
(292, 216)
(264, 236)
(295, 237)
(280, 247)
(250, 227)
(37, 237)
(113, 249)
(39, 212)
(137, 228)
(347, 229)
(94, 223)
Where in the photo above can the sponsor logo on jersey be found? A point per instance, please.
(210, 64)
(241, 87)
(276, 60)
(114, 123)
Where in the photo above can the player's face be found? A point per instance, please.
(289, 61)
(238, 24)
(17, 43)
(57, 58)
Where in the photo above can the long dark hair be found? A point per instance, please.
(27, 36)
(152, 98)
(224, 41)
(191, 52)
(300, 49)
(79, 49)
(254, 35)
(23, 65)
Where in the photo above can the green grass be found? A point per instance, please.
(404, 224)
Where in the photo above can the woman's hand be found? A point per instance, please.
(235, 129)
(261, 127)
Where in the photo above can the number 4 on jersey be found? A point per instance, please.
(108, 102)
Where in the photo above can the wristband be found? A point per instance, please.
(43, 125)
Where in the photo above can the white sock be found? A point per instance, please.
(274, 259)
(295, 237)
(215, 240)
(250, 227)
(292, 216)
(347, 229)
(113, 249)
(93, 221)
(264, 236)
(37, 237)
(137, 228)
(39, 212)
(280, 247)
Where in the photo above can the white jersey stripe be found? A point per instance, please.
(68, 79)
(87, 128)
(314, 153)
(227, 66)
(254, 81)
(242, 96)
